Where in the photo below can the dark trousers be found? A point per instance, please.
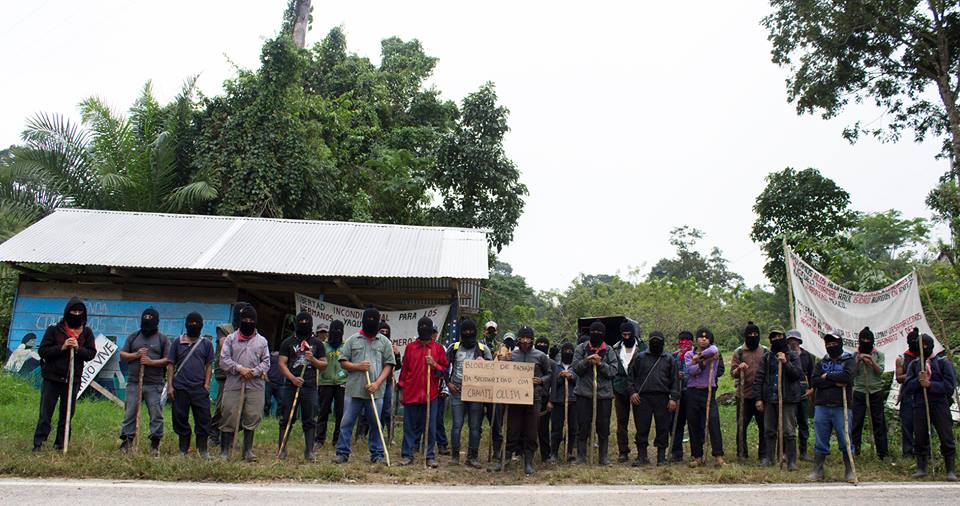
(52, 392)
(185, 401)
(331, 398)
(441, 407)
(696, 422)
(750, 415)
(621, 404)
(496, 428)
(878, 422)
(676, 448)
(585, 420)
(271, 392)
(652, 407)
(803, 425)
(218, 407)
(940, 421)
(522, 428)
(306, 403)
(543, 435)
(415, 424)
(906, 427)
(557, 427)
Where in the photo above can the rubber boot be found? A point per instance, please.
(215, 437)
(603, 449)
(921, 471)
(155, 446)
(951, 465)
(771, 453)
(642, 459)
(454, 456)
(248, 446)
(817, 473)
(184, 444)
(661, 456)
(791, 455)
(308, 442)
(226, 444)
(202, 448)
(581, 451)
(125, 443)
(848, 473)
(472, 458)
(501, 464)
(528, 463)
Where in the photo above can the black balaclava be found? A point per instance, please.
(468, 333)
(778, 342)
(384, 329)
(194, 324)
(566, 353)
(248, 328)
(75, 321)
(866, 340)
(655, 341)
(927, 346)
(705, 332)
(834, 345)
(509, 341)
(425, 329)
(370, 322)
(149, 321)
(304, 325)
(631, 341)
(335, 335)
(913, 341)
(597, 331)
(553, 352)
(525, 338)
(237, 308)
(751, 336)
(543, 344)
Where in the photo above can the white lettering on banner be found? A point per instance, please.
(105, 349)
(822, 306)
(403, 323)
(893, 401)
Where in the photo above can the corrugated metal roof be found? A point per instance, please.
(312, 248)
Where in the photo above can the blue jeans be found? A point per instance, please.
(413, 418)
(827, 420)
(473, 412)
(352, 407)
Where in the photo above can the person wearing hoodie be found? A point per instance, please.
(804, 408)
(743, 367)
(704, 366)
(146, 348)
(594, 359)
(522, 418)
(684, 344)
(625, 350)
(245, 358)
(189, 367)
(868, 387)
(543, 423)
(563, 373)
(69, 332)
(905, 401)
(423, 360)
(654, 389)
(301, 359)
(467, 348)
(939, 379)
(832, 376)
(765, 383)
(330, 384)
(365, 355)
(223, 330)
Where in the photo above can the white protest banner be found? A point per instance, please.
(893, 401)
(105, 349)
(824, 307)
(403, 324)
(502, 382)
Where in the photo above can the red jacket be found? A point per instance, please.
(413, 372)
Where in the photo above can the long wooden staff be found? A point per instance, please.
(136, 433)
(780, 448)
(243, 392)
(566, 418)
(426, 423)
(926, 402)
(846, 430)
(376, 416)
(493, 421)
(392, 430)
(293, 408)
(594, 418)
(741, 430)
(503, 440)
(869, 413)
(66, 427)
(706, 425)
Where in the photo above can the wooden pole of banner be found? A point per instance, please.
(493, 421)
(66, 426)
(788, 270)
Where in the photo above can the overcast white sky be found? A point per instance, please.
(627, 118)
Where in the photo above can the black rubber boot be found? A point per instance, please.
(581, 452)
(454, 456)
(215, 437)
(791, 455)
(501, 464)
(528, 463)
(226, 444)
(921, 471)
(951, 465)
(183, 443)
(817, 473)
(308, 441)
(125, 443)
(202, 448)
(848, 473)
(604, 461)
(248, 446)
(472, 458)
(661, 456)
(771, 453)
(155, 446)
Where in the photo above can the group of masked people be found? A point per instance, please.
(576, 387)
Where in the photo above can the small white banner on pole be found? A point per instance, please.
(105, 349)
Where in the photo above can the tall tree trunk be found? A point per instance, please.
(300, 25)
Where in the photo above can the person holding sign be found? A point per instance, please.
(868, 395)
(145, 352)
(301, 356)
(654, 389)
(70, 337)
(467, 348)
(831, 381)
(189, 367)
(704, 365)
(522, 419)
(423, 361)
(777, 381)
(595, 364)
(938, 379)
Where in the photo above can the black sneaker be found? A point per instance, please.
(36, 449)
(341, 459)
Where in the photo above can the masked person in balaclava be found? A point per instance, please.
(147, 348)
(490, 334)
(743, 367)
(804, 409)
(542, 344)
(868, 387)
(70, 332)
(594, 359)
(625, 349)
(684, 344)
(189, 368)
(423, 360)
(368, 358)
(563, 398)
(302, 356)
(245, 358)
(906, 402)
(766, 383)
(653, 389)
(496, 433)
(939, 379)
(832, 375)
(704, 365)
(330, 384)
(467, 348)
(363, 425)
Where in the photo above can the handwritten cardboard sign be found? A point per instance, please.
(500, 382)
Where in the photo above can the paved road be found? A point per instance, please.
(106, 493)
